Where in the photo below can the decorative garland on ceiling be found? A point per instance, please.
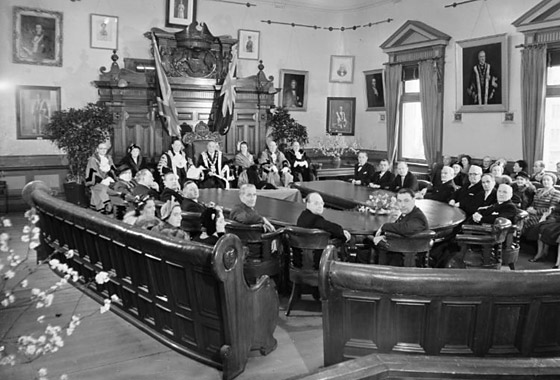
(329, 28)
(248, 5)
(460, 3)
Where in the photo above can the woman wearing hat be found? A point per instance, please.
(134, 159)
(171, 217)
(545, 198)
(523, 190)
(100, 173)
(549, 234)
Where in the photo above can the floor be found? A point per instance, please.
(104, 346)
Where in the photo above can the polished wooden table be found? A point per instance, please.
(326, 170)
(441, 217)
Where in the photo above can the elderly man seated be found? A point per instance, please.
(244, 212)
(145, 184)
(275, 166)
(465, 197)
(410, 221)
(404, 179)
(213, 163)
(503, 208)
(171, 188)
(445, 190)
(382, 179)
(363, 170)
(190, 201)
(299, 163)
(312, 217)
(538, 171)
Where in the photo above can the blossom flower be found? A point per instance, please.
(41, 319)
(70, 253)
(34, 219)
(105, 307)
(9, 274)
(34, 244)
(24, 283)
(4, 237)
(49, 300)
(5, 302)
(36, 230)
(102, 277)
(25, 238)
(42, 372)
(64, 377)
(7, 223)
(26, 229)
(115, 298)
(35, 291)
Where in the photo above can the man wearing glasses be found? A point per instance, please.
(466, 197)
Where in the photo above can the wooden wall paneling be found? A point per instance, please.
(458, 326)
(360, 325)
(547, 334)
(410, 324)
(508, 326)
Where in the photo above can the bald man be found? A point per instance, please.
(213, 162)
(312, 217)
(404, 179)
(443, 192)
(465, 197)
(503, 208)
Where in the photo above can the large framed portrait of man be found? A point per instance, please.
(483, 74)
(375, 90)
(293, 96)
(341, 116)
(37, 37)
(35, 106)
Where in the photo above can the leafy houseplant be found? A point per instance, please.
(78, 132)
(285, 130)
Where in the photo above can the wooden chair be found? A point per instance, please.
(262, 257)
(303, 245)
(510, 252)
(424, 184)
(190, 222)
(413, 248)
(489, 237)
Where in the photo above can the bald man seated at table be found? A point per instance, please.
(312, 217)
(445, 190)
(410, 221)
(503, 208)
(404, 179)
(363, 170)
(244, 212)
(383, 179)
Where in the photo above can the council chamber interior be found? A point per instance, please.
(411, 231)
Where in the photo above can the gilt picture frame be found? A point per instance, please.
(294, 85)
(37, 37)
(104, 32)
(180, 13)
(341, 69)
(34, 107)
(374, 90)
(482, 74)
(341, 116)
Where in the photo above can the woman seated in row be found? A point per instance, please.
(144, 214)
(170, 224)
(100, 173)
(549, 235)
(545, 198)
(248, 170)
(133, 159)
(299, 163)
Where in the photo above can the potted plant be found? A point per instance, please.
(285, 130)
(78, 132)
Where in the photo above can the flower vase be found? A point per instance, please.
(336, 161)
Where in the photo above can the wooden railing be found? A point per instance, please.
(370, 309)
(192, 297)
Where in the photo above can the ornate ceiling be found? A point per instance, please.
(327, 5)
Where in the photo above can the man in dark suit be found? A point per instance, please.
(363, 170)
(145, 184)
(465, 197)
(383, 179)
(190, 198)
(503, 208)
(244, 212)
(410, 221)
(312, 217)
(444, 191)
(171, 188)
(374, 95)
(404, 179)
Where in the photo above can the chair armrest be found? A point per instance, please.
(429, 234)
(272, 235)
(477, 228)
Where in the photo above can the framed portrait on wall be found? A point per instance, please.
(249, 44)
(34, 108)
(180, 12)
(482, 74)
(341, 116)
(294, 89)
(104, 32)
(37, 37)
(342, 69)
(375, 90)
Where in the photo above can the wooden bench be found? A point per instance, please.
(370, 309)
(191, 297)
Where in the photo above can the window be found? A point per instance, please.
(551, 147)
(411, 139)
